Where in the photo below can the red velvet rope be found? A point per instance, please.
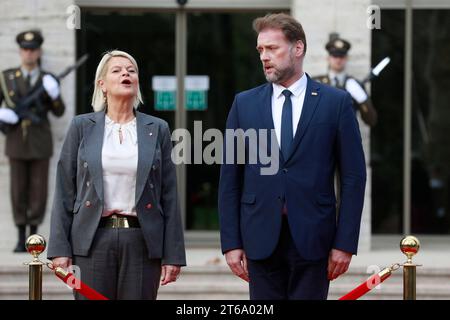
(78, 285)
(367, 285)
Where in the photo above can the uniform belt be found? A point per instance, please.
(119, 221)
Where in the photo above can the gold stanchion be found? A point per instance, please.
(409, 245)
(35, 245)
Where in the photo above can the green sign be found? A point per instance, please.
(165, 100)
(196, 89)
(196, 100)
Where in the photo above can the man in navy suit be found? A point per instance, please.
(281, 231)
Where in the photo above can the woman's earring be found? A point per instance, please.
(105, 100)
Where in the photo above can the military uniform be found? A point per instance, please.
(339, 47)
(29, 143)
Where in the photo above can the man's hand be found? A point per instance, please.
(237, 261)
(338, 262)
(63, 262)
(51, 86)
(169, 274)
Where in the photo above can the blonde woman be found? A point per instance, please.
(116, 214)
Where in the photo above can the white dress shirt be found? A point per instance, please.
(34, 75)
(298, 89)
(119, 161)
(339, 76)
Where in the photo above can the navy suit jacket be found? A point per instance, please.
(327, 138)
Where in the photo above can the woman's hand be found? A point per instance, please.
(63, 262)
(169, 273)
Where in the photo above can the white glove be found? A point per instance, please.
(8, 116)
(355, 90)
(51, 86)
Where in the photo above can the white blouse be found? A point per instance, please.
(119, 161)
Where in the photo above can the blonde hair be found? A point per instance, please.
(98, 101)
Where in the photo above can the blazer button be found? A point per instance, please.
(285, 170)
(85, 164)
(88, 183)
(153, 167)
(151, 186)
(148, 206)
(88, 203)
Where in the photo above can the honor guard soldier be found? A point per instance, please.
(29, 143)
(337, 60)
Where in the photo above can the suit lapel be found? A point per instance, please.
(266, 103)
(38, 82)
(94, 144)
(267, 117)
(20, 82)
(22, 86)
(312, 96)
(147, 136)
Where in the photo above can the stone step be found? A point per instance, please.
(222, 273)
(180, 292)
(19, 291)
(430, 290)
(216, 282)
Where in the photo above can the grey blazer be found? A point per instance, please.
(78, 201)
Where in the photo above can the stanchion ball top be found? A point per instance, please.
(35, 244)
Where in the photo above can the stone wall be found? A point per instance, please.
(58, 52)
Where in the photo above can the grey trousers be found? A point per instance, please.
(118, 266)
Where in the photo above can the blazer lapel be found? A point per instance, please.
(267, 118)
(93, 146)
(147, 136)
(38, 81)
(312, 97)
(20, 82)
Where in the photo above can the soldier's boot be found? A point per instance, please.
(20, 247)
(33, 229)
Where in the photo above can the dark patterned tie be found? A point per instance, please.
(28, 82)
(287, 134)
(336, 82)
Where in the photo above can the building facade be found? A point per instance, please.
(221, 44)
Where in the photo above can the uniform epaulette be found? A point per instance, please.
(11, 70)
(322, 79)
(12, 73)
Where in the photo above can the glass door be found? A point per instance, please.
(148, 36)
(221, 46)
